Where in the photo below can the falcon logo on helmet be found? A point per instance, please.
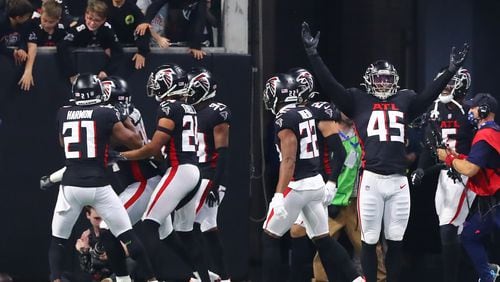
(303, 82)
(167, 80)
(279, 90)
(201, 85)
(107, 88)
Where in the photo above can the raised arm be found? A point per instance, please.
(431, 92)
(337, 93)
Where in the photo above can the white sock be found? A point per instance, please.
(123, 279)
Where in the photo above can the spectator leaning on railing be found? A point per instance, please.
(90, 31)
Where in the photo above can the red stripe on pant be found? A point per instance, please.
(136, 172)
(460, 204)
(204, 196)
(287, 190)
(163, 187)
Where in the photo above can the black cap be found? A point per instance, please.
(483, 99)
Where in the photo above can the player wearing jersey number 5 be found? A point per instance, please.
(300, 187)
(380, 113)
(482, 166)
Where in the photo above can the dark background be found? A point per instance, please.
(415, 35)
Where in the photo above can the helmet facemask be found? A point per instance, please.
(381, 80)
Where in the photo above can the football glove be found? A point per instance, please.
(278, 205)
(213, 195)
(114, 157)
(457, 58)
(334, 211)
(45, 183)
(417, 176)
(330, 192)
(310, 43)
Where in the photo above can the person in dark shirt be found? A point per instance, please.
(91, 31)
(66, 18)
(14, 31)
(125, 17)
(381, 113)
(195, 12)
(47, 29)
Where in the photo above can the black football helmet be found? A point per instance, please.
(381, 79)
(278, 90)
(167, 80)
(115, 90)
(303, 81)
(201, 85)
(87, 90)
(457, 87)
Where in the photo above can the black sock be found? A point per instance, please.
(57, 250)
(216, 252)
(174, 243)
(450, 252)
(369, 261)
(302, 257)
(116, 254)
(271, 261)
(192, 243)
(393, 259)
(334, 257)
(137, 251)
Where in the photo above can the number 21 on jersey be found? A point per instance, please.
(387, 125)
(76, 129)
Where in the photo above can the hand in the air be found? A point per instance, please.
(457, 58)
(310, 42)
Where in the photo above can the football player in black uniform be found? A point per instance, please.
(90, 31)
(332, 156)
(214, 119)
(85, 130)
(138, 177)
(448, 116)
(300, 187)
(177, 133)
(381, 114)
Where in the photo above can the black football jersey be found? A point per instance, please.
(455, 128)
(183, 143)
(324, 111)
(209, 117)
(86, 132)
(12, 37)
(42, 38)
(301, 121)
(129, 172)
(381, 126)
(80, 36)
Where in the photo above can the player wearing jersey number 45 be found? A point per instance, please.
(380, 113)
(300, 187)
(85, 131)
(177, 133)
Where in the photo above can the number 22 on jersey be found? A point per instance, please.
(387, 125)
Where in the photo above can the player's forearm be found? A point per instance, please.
(337, 93)
(339, 156)
(144, 152)
(465, 167)
(431, 92)
(287, 167)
